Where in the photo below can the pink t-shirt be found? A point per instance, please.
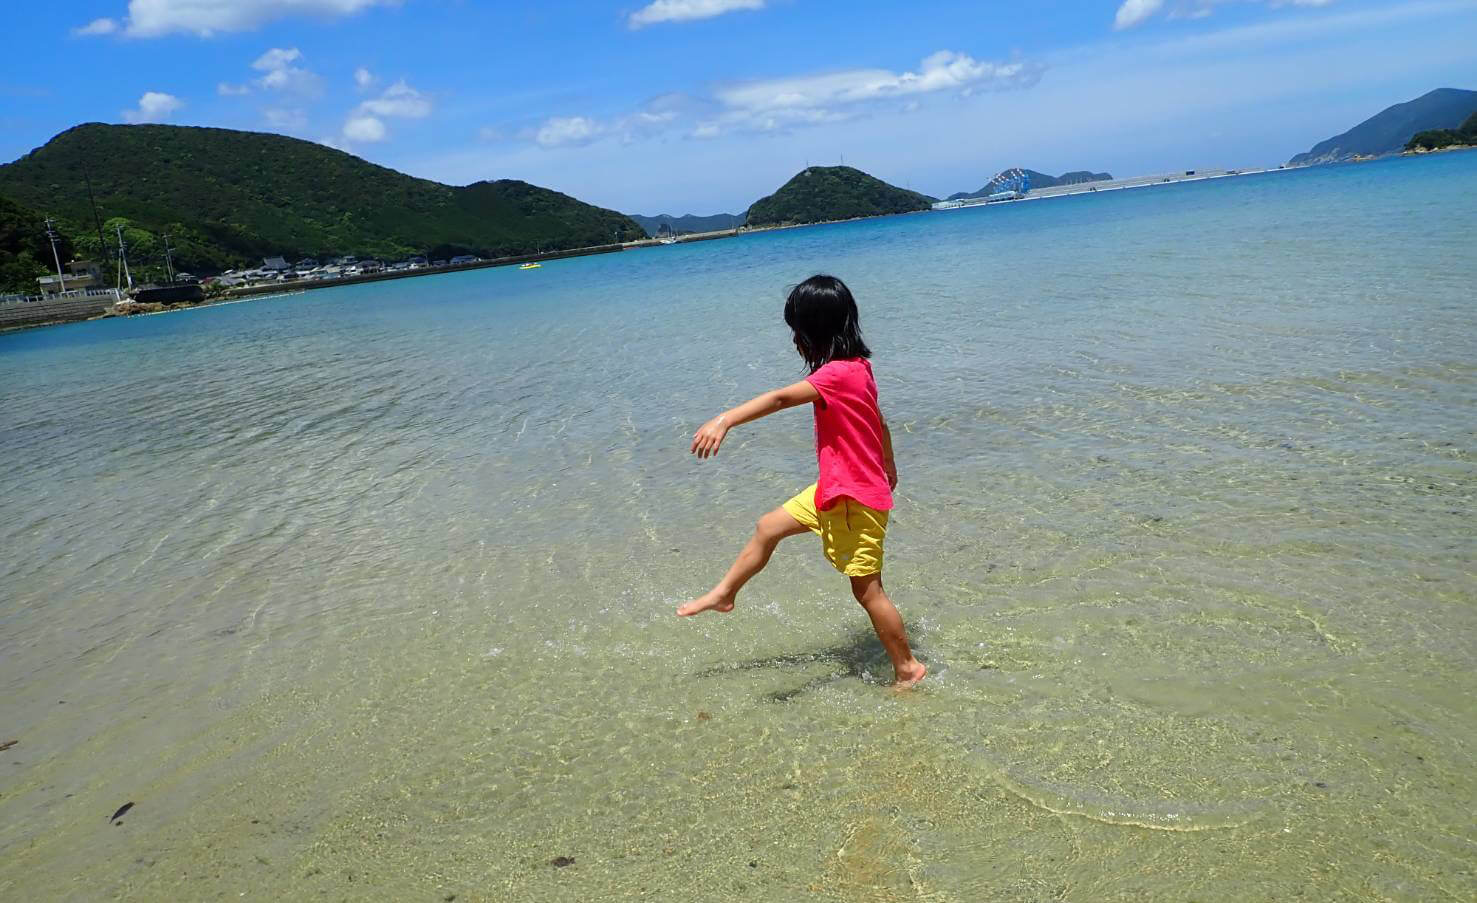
(848, 435)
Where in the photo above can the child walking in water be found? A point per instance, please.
(847, 505)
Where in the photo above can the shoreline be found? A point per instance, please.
(262, 290)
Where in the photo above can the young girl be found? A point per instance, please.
(847, 506)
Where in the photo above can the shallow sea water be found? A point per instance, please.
(366, 593)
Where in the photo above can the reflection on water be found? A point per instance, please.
(368, 591)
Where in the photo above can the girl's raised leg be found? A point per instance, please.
(772, 528)
(889, 626)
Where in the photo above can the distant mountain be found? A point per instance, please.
(228, 198)
(1041, 180)
(25, 252)
(1387, 131)
(824, 193)
(688, 222)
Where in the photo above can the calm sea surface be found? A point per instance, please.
(367, 592)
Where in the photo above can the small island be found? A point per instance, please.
(1463, 136)
(819, 194)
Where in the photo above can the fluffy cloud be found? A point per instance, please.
(365, 129)
(805, 100)
(154, 106)
(1132, 12)
(152, 18)
(226, 89)
(562, 130)
(363, 78)
(96, 27)
(399, 101)
(687, 10)
(282, 75)
(1135, 12)
(831, 97)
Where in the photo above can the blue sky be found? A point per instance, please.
(701, 106)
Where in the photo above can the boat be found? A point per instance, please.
(530, 266)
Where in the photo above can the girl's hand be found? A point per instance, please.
(708, 437)
(890, 468)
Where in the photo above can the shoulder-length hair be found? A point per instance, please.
(822, 314)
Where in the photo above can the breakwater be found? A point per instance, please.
(21, 314)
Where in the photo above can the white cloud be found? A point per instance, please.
(277, 58)
(152, 18)
(96, 27)
(154, 106)
(1136, 12)
(1132, 12)
(282, 75)
(364, 128)
(775, 104)
(687, 10)
(226, 89)
(562, 130)
(363, 78)
(400, 100)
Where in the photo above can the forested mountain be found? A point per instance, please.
(228, 198)
(25, 252)
(1387, 131)
(823, 193)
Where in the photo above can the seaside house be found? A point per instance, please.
(80, 275)
(275, 264)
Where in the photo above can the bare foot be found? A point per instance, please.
(909, 676)
(712, 601)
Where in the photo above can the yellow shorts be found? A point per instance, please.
(850, 532)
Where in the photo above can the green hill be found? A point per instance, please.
(823, 193)
(1435, 139)
(1387, 131)
(25, 252)
(229, 198)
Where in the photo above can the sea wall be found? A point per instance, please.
(19, 314)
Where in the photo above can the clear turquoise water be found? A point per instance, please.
(367, 592)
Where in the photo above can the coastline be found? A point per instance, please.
(253, 292)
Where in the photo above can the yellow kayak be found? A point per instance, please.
(530, 266)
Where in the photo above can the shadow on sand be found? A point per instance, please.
(852, 658)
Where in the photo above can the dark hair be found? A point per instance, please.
(822, 314)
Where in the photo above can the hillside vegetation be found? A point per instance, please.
(25, 252)
(1435, 139)
(228, 198)
(823, 193)
(1387, 132)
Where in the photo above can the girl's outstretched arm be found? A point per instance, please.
(710, 435)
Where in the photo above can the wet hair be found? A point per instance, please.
(822, 314)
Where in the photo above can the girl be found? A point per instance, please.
(847, 506)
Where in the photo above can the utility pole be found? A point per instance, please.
(123, 254)
(168, 258)
(55, 255)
